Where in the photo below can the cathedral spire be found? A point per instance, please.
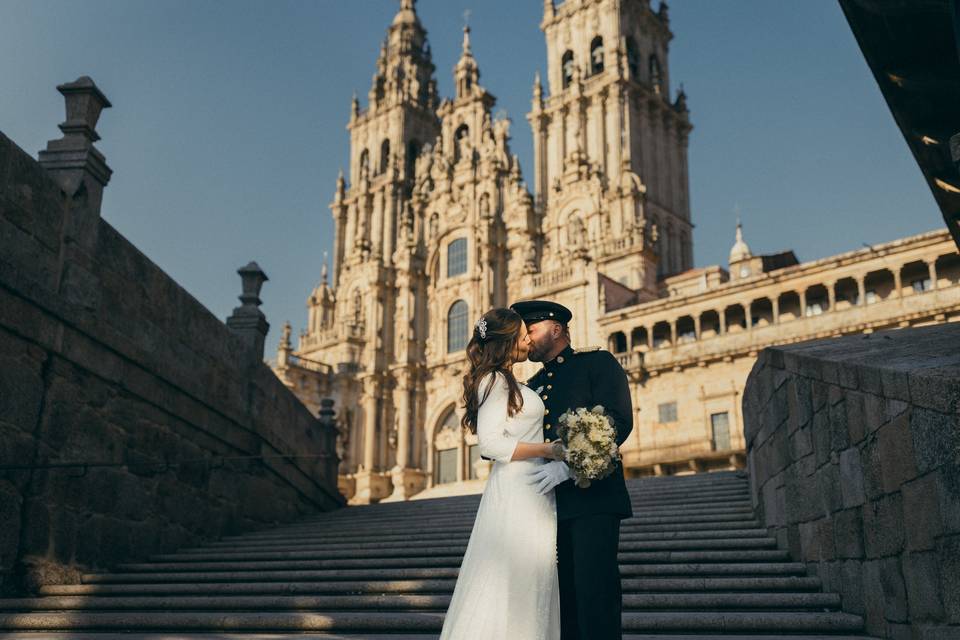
(404, 72)
(466, 42)
(467, 73)
(740, 250)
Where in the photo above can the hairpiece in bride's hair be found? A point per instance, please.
(482, 328)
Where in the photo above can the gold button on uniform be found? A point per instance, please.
(549, 386)
(544, 396)
(549, 374)
(559, 359)
(546, 412)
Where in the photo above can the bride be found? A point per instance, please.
(507, 586)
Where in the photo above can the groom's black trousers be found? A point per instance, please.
(589, 573)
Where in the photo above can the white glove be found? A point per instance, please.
(546, 476)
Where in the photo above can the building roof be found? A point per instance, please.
(782, 260)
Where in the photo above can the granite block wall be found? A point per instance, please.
(853, 448)
(105, 359)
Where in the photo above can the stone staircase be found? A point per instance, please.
(695, 562)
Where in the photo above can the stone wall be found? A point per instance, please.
(853, 448)
(105, 359)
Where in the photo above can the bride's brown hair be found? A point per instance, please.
(491, 351)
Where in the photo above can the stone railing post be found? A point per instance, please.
(328, 425)
(73, 161)
(247, 321)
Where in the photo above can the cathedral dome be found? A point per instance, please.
(740, 250)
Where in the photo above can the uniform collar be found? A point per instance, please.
(562, 358)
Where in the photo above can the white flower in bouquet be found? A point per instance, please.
(590, 444)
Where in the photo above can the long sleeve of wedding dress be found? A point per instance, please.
(491, 420)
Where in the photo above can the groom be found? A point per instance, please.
(588, 520)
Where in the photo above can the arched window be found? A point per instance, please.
(457, 327)
(459, 142)
(633, 58)
(566, 66)
(447, 443)
(596, 55)
(384, 155)
(457, 257)
(364, 165)
(413, 152)
(656, 75)
(617, 342)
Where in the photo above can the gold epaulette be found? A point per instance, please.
(588, 350)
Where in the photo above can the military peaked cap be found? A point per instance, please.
(537, 310)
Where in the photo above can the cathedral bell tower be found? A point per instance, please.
(377, 270)
(610, 146)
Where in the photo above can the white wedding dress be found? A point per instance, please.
(507, 588)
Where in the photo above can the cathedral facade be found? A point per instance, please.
(436, 224)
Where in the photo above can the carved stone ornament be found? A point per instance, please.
(447, 438)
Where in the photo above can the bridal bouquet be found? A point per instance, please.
(590, 446)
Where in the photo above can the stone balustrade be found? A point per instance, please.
(132, 420)
(853, 447)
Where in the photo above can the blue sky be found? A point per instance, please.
(227, 129)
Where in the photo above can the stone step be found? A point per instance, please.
(442, 556)
(429, 509)
(627, 528)
(412, 547)
(444, 568)
(451, 537)
(700, 501)
(640, 511)
(630, 585)
(652, 516)
(440, 602)
(681, 494)
(678, 522)
(72, 635)
(707, 621)
(652, 501)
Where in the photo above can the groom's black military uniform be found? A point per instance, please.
(588, 520)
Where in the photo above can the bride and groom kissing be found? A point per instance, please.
(541, 563)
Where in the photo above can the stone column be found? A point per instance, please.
(898, 285)
(673, 333)
(723, 321)
(369, 424)
(803, 303)
(832, 295)
(376, 231)
(370, 485)
(696, 325)
(775, 304)
(861, 291)
(403, 421)
(932, 269)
